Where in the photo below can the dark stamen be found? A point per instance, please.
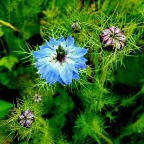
(60, 53)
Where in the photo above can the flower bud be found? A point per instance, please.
(76, 27)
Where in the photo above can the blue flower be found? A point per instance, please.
(60, 60)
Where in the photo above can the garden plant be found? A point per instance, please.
(72, 72)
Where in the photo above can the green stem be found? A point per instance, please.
(8, 25)
(103, 76)
(99, 1)
(101, 83)
(96, 65)
(102, 136)
(109, 61)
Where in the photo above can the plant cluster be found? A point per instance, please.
(78, 69)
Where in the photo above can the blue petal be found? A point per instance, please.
(41, 68)
(61, 39)
(50, 74)
(69, 42)
(79, 52)
(80, 63)
(66, 74)
(52, 77)
(42, 53)
(53, 41)
(81, 59)
(61, 81)
(74, 45)
(75, 75)
(44, 46)
(47, 45)
(41, 61)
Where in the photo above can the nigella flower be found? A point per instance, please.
(113, 37)
(60, 60)
(26, 118)
(37, 98)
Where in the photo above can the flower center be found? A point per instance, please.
(112, 35)
(60, 53)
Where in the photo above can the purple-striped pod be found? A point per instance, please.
(113, 38)
(26, 118)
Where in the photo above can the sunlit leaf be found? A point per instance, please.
(8, 61)
(4, 108)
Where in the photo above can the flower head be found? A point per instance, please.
(113, 37)
(60, 60)
(37, 98)
(26, 118)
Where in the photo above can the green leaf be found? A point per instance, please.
(4, 108)
(4, 78)
(132, 72)
(8, 62)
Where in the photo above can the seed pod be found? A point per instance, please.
(26, 118)
(76, 27)
(113, 38)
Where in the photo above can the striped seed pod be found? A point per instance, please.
(113, 38)
(26, 118)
